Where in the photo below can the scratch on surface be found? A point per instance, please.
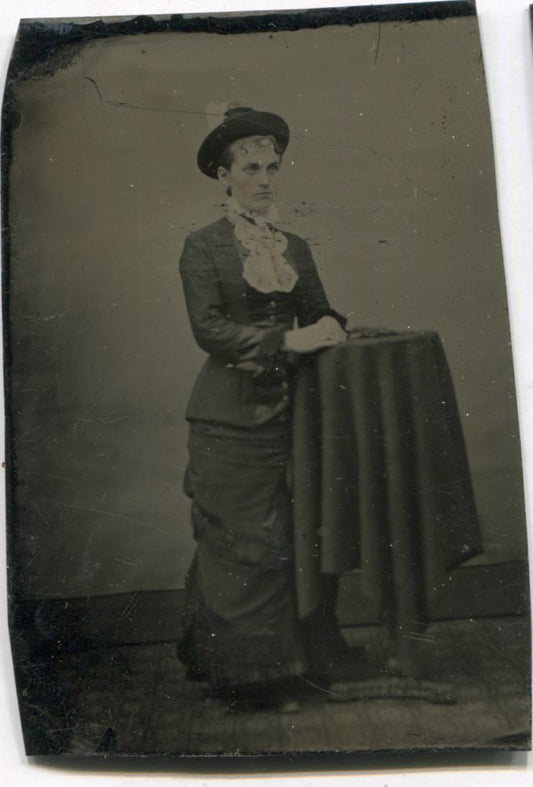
(103, 511)
(91, 536)
(31, 430)
(125, 562)
(41, 474)
(129, 606)
(378, 44)
(93, 82)
(97, 421)
(289, 728)
(127, 105)
(41, 515)
(367, 149)
(404, 174)
(421, 637)
(44, 318)
(315, 686)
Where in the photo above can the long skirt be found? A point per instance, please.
(240, 615)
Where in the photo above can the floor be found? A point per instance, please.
(134, 700)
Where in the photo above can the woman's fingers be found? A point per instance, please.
(334, 338)
(312, 338)
(331, 327)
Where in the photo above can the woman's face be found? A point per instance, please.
(254, 173)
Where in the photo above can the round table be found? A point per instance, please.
(381, 477)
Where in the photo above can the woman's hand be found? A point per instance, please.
(325, 333)
(332, 327)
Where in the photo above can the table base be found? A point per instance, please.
(394, 687)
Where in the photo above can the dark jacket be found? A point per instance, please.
(227, 327)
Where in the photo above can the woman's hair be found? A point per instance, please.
(227, 156)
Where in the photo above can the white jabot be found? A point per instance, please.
(265, 268)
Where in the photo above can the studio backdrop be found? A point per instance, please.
(389, 177)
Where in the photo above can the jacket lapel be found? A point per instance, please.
(228, 266)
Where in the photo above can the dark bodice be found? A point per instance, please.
(238, 325)
(273, 308)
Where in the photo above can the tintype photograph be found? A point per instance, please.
(265, 492)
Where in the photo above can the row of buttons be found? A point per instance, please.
(284, 385)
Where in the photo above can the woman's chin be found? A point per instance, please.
(262, 206)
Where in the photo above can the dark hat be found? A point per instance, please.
(239, 122)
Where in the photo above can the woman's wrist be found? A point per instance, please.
(287, 341)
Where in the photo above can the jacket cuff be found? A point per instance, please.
(270, 344)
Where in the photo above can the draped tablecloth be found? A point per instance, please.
(381, 478)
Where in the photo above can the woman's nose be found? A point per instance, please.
(266, 178)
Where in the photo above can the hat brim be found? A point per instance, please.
(245, 124)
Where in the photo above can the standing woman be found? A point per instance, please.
(255, 304)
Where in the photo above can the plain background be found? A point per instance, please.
(388, 176)
(507, 53)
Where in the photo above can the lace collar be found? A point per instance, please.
(264, 268)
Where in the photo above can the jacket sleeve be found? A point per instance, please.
(310, 296)
(213, 330)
